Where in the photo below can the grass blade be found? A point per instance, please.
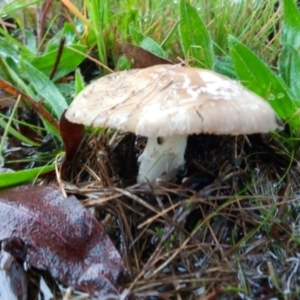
(16, 133)
(68, 62)
(256, 75)
(289, 65)
(13, 178)
(195, 38)
(147, 43)
(46, 89)
(79, 82)
(290, 33)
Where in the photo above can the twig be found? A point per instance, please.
(58, 57)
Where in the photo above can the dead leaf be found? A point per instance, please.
(72, 135)
(13, 281)
(61, 236)
(141, 58)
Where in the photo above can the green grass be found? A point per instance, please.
(244, 40)
(250, 41)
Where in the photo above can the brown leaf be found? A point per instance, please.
(15, 247)
(72, 135)
(141, 58)
(13, 281)
(61, 236)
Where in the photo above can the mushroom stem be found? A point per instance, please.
(161, 156)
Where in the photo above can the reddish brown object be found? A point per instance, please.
(61, 236)
(72, 135)
(15, 247)
(141, 58)
(13, 280)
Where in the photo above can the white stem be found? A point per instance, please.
(161, 159)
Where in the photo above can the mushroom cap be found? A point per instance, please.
(166, 100)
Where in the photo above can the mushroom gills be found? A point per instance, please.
(161, 157)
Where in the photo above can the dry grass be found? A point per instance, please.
(226, 230)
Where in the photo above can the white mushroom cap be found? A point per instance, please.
(171, 101)
(167, 100)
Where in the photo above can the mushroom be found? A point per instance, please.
(166, 103)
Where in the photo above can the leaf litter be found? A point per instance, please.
(226, 229)
(13, 280)
(62, 237)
